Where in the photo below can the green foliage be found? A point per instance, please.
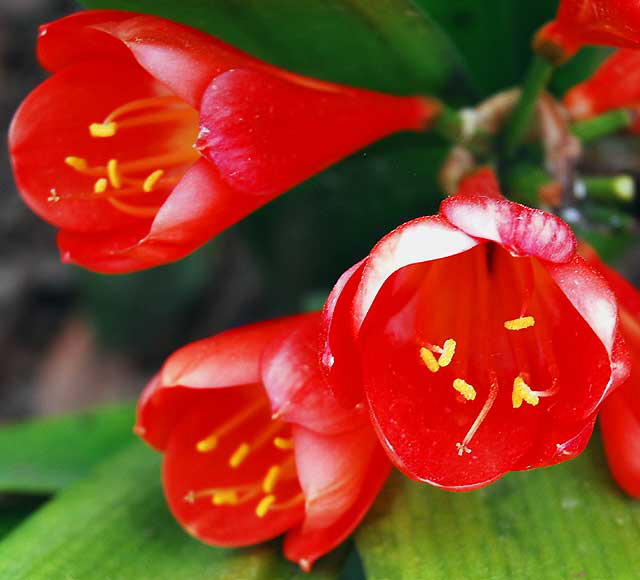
(46, 455)
(568, 521)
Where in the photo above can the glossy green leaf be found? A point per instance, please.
(115, 524)
(388, 45)
(568, 521)
(46, 455)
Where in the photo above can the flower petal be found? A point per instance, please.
(340, 477)
(296, 387)
(522, 230)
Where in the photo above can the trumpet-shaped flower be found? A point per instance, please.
(151, 137)
(590, 22)
(620, 415)
(614, 85)
(255, 445)
(480, 341)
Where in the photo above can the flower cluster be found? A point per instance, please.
(468, 344)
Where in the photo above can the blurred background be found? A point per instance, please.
(71, 340)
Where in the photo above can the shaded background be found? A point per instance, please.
(70, 339)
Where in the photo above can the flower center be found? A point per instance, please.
(271, 439)
(155, 173)
(521, 391)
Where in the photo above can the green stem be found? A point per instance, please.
(602, 125)
(617, 188)
(449, 124)
(537, 78)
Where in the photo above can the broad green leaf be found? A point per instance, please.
(46, 455)
(568, 521)
(387, 45)
(115, 525)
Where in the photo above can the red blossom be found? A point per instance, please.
(614, 85)
(620, 415)
(590, 22)
(256, 445)
(152, 137)
(480, 341)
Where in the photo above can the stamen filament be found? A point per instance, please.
(137, 211)
(144, 104)
(150, 119)
(265, 503)
(296, 499)
(493, 393)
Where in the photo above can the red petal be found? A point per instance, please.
(297, 389)
(521, 230)
(227, 359)
(420, 240)
(266, 134)
(482, 181)
(339, 355)
(190, 475)
(620, 423)
(340, 476)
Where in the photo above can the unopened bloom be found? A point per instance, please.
(589, 22)
(614, 85)
(480, 341)
(620, 415)
(151, 137)
(254, 443)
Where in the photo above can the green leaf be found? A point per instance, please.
(387, 45)
(46, 455)
(568, 521)
(115, 524)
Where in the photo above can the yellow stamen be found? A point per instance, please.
(270, 480)
(522, 392)
(225, 496)
(78, 163)
(151, 180)
(113, 173)
(265, 503)
(429, 360)
(520, 323)
(282, 443)
(208, 444)
(103, 129)
(295, 500)
(100, 186)
(448, 350)
(465, 389)
(239, 455)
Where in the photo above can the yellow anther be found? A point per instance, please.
(100, 186)
(465, 389)
(151, 180)
(208, 444)
(429, 360)
(76, 162)
(239, 455)
(448, 350)
(520, 323)
(522, 392)
(225, 496)
(103, 129)
(265, 503)
(282, 443)
(113, 173)
(270, 480)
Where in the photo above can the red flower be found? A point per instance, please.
(152, 137)
(482, 343)
(596, 22)
(620, 415)
(256, 445)
(614, 85)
